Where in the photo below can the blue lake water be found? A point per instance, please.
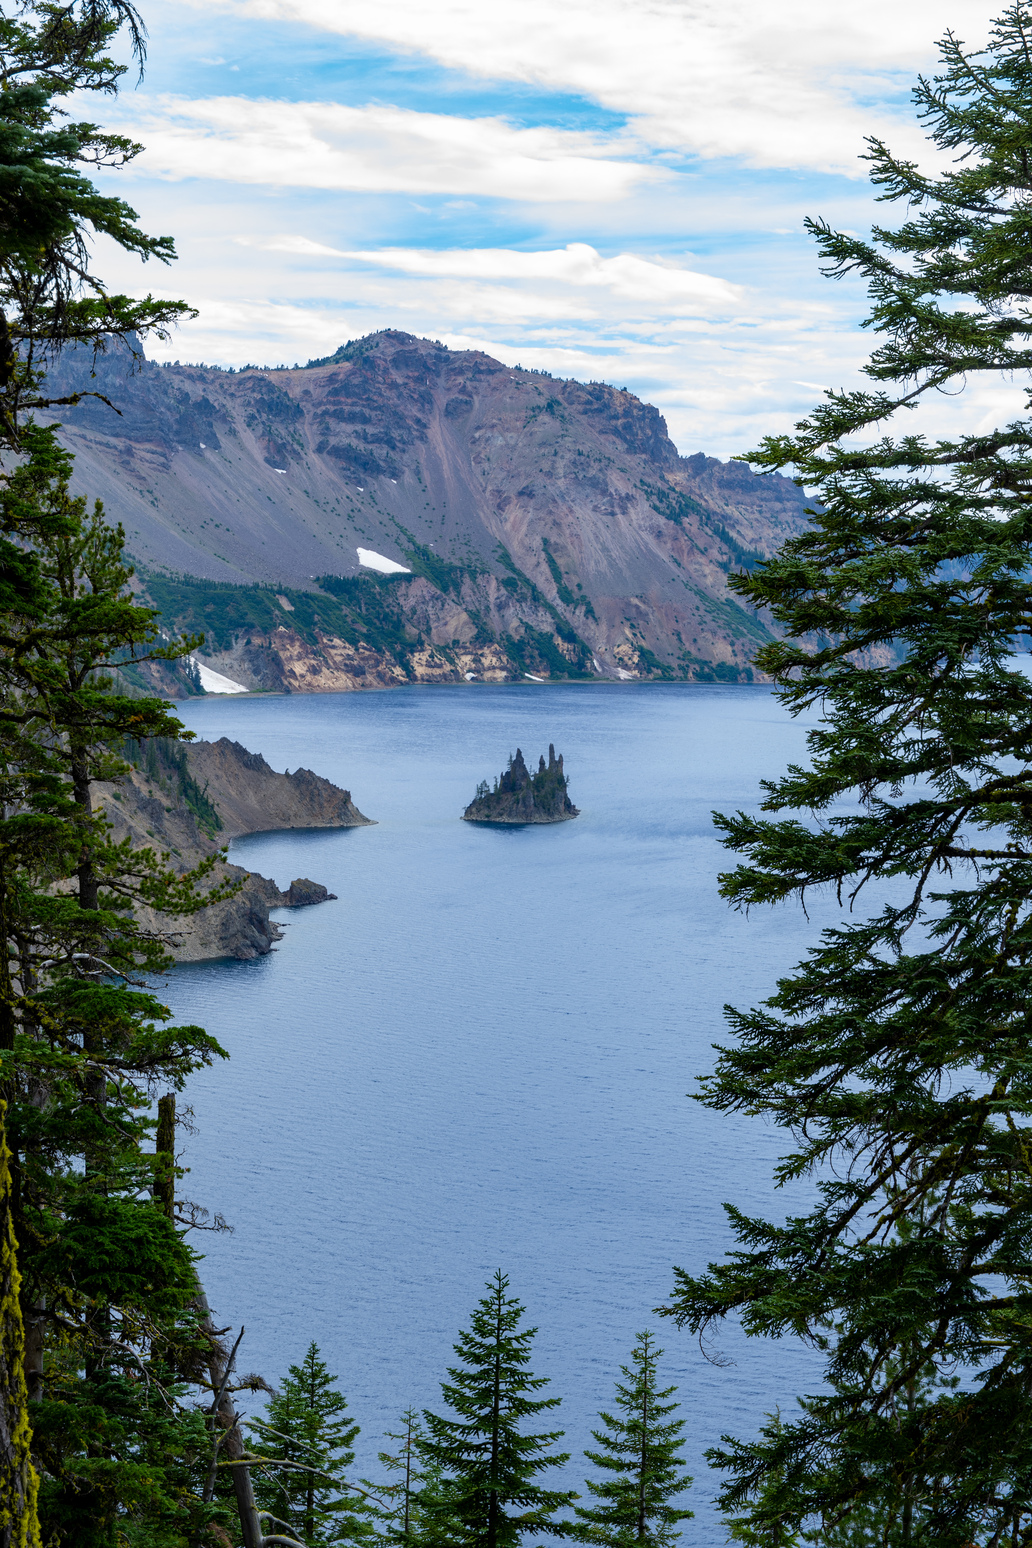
(479, 1057)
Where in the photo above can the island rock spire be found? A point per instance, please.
(521, 797)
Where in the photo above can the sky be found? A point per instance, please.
(608, 189)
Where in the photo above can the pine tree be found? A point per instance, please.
(899, 1054)
(403, 1516)
(50, 211)
(308, 1436)
(108, 1307)
(488, 1496)
(764, 1526)
(108, 1284)
(639, 1450)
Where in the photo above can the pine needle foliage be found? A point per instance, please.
(402, 1516)
(108, 1285)
(488, 1495)
(110, 1322)
(638, 1450)
(50, 211)
(899, 1054)
(309, 1436)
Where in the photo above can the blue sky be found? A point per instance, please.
(608, 189)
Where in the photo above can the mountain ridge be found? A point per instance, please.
(526, 506)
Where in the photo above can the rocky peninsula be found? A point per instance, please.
(521, 797)
(189, 800)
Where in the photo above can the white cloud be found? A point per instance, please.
(787, 85)
(373, 149)
(656, 284)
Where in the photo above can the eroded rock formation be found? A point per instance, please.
(521, 797)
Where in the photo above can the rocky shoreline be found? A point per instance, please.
(191, 806)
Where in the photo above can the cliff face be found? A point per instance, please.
(521, 797)
(523, 504)
(252, 798)
(192, 811)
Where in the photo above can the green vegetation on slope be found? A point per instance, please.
(359, 608)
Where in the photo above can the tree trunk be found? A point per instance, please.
(219, 1358)
(492, 1506)
(19, 1524)
(219, 1363)
(165, 1145)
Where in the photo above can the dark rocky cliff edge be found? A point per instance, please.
(189, 801)
(522, 797)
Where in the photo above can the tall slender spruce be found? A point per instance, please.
(488, 1495)
(401, 1519)
(638, 1451)
(898, 1056)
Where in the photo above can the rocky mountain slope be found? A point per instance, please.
(526, 509)
(190, 800)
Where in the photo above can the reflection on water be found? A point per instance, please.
(480, 1055)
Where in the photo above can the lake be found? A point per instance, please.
(480, 1055)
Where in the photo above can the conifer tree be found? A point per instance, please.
(50, 211)
(899, 1055)
(105, 1276)
(403, 1517)
(308, 1437)
(639, 1451)
(488, 1495)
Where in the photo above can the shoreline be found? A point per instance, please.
(565, 682)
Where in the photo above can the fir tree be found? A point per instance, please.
(108, 1286)
(308, 1437)
(50, 211)
(488, 1495)
(899, 1054)
(403, 1516)
(639, 1451)
(763, 1526)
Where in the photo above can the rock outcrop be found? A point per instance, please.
(252, 798)
(188, 801)
(520, 797)
(540, 518)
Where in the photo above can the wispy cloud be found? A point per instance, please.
(597, 188)
(791, 85)
(379, 149)
(664, 284)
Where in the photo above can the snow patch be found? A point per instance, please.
(214, 682)
(371, 560)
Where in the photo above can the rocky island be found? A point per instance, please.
(521, 797)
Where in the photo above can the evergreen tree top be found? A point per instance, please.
(640, 1445)
(487, 1494)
